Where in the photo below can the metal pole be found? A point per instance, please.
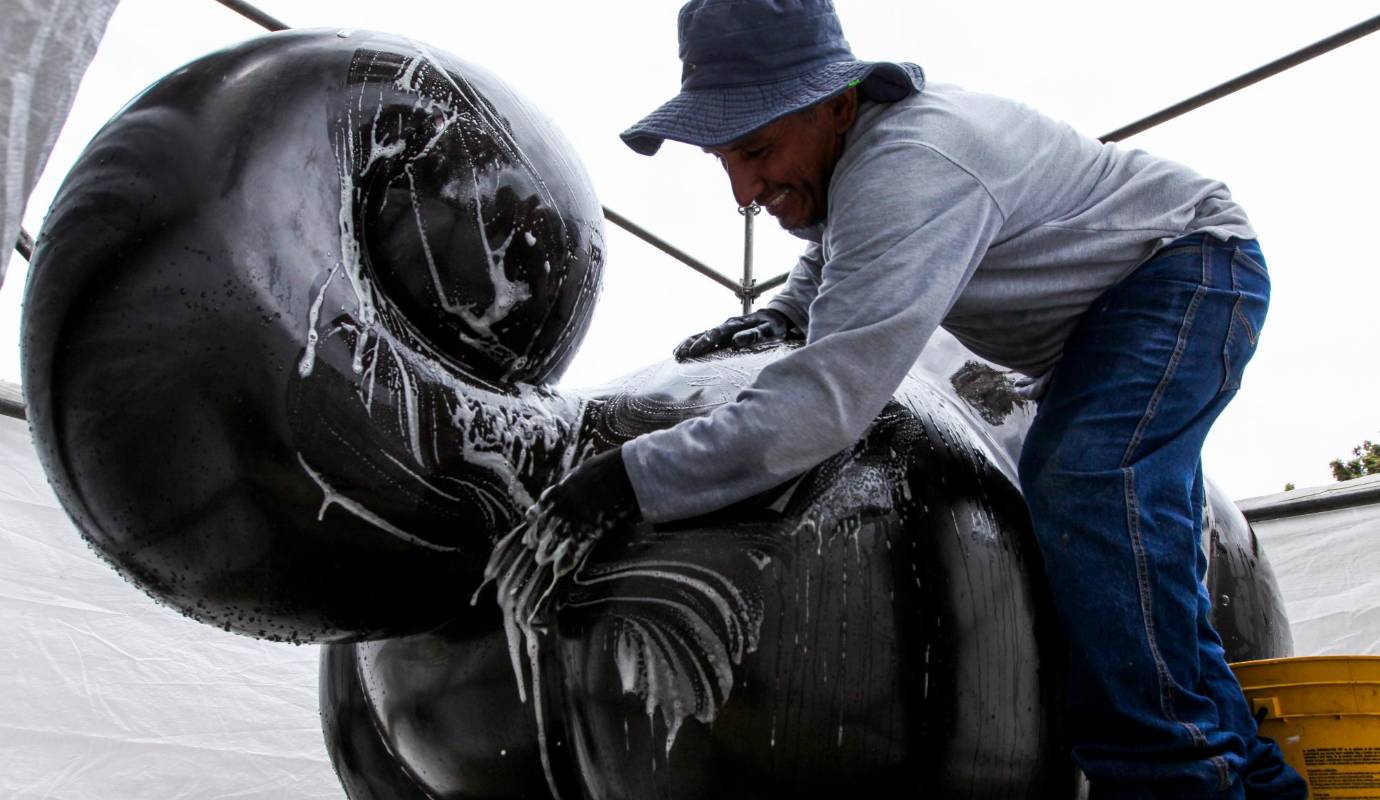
(1254, 76)
(12, 401)
(25, 245)
(253, 14)
(767, 285)
(670, 249)
(746, 292)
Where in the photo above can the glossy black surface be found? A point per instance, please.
(429, 715)
(362, 760)
(883, 620)
(1247, 607)
(250, 305)
(878, 621)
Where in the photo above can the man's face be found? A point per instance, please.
(785, 167)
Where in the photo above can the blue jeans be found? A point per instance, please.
(1111, 472)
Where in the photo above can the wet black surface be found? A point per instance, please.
(247, 413)
(1247, 607)
(899, 640)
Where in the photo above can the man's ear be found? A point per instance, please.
(842, 109)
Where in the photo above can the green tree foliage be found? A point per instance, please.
(1366, 462)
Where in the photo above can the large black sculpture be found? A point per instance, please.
(286, 345)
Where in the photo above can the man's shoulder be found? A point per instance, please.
(985, 135)
(942, 115)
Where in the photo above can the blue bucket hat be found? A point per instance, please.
(748, 63)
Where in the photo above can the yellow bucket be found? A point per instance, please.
(1324, 711)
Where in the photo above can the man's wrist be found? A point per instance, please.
(793, 317)
(621, 488)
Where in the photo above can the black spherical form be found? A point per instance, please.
(433, 715)
(275, 259)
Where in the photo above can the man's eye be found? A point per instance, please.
(755, 153)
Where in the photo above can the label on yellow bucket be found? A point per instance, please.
(1338, 755)
(1350, 772)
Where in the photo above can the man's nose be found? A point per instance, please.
(747, 185)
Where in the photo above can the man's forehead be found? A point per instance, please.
(738, 144)
(773, 131)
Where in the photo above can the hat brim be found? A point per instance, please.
(716, 117)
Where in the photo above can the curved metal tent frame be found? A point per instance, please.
(747, 289)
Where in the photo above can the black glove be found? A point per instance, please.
(595, 494)
(744, 331)
(557, 534)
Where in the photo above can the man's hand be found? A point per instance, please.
(557, 534)
(596, 494)
(552, 541)
(572, 515)
(745, 331)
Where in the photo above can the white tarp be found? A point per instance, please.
(1328, 565)
(105, 695)
(45, 46)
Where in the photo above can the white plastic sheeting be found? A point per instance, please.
(45, 46)
(1328, 565)
(105, 695)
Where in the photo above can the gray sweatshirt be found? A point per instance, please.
(947, 208)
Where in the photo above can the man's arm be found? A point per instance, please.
(899, 253)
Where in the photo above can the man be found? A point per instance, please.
(1129, 288)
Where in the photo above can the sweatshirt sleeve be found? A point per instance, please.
(802, 285)
(906, 229)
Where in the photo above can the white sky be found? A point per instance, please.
(1299, 151)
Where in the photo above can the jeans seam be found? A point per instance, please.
(1227, 383)
(1152, 406)
(1237, 320)
(1133, 507)
(1250, 260)
(1252, 335)
(1223, 772)
(1147, 609)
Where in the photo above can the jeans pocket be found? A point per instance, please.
(1252, 286)
(1249, 258)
